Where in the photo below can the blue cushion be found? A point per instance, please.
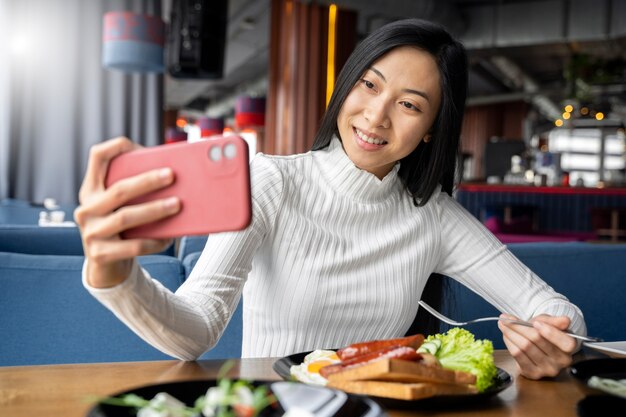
(46, 240)
(48, 317)
(592, 276)
(40, 240)
(189, 262)
(191, 244)
(229, 345)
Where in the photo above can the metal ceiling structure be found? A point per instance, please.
(542, 51)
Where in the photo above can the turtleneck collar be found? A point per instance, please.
(350, 181)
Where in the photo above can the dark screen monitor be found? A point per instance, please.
(498, 153)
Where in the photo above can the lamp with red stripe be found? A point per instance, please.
(210, 126)
(174, 134)
(133, 42)
(249, 111)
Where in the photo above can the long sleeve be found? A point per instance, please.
(478, 260)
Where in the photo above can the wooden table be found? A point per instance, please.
(61, 390)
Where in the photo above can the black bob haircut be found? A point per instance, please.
(432, 164)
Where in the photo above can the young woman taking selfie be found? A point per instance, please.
(343, 238)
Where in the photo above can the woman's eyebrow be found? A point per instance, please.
(406, 90)
(380, 74)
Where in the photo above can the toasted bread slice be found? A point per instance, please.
(401, 391)
(395, 370)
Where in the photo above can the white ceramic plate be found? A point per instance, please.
(613, 349)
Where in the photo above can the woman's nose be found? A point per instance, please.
(376, 114)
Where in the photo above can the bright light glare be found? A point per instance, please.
(19, 45)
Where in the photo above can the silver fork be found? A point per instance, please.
(520, 322)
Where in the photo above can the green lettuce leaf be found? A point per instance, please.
(460, 351)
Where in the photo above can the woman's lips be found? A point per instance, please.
(361, 140)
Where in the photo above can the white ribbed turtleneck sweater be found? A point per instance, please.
(333, 256)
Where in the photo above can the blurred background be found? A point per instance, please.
(545, 111)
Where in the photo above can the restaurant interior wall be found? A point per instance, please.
(484, 122)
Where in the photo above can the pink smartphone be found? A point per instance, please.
(212, 181)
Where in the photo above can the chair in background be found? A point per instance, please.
(609, 223)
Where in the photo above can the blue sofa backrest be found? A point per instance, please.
(190, 245)
(40, 240)
(32, 239)
(47, 316)
(229, 345)
(592, 276)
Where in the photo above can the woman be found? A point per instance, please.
(343, 238)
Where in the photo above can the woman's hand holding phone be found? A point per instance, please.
(103, 214)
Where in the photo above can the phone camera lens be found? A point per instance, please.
(230, 151)
(215, 153)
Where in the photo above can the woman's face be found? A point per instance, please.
(390, 109)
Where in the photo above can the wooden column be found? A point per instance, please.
(298, 70)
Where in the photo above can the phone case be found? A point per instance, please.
(212, 181)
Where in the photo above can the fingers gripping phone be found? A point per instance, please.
(212, 182)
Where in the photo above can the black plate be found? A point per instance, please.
(297, 394)
(614, 368)
(503, 380)
(604, 403)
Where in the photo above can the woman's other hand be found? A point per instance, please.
(542, 350)
(103, 214)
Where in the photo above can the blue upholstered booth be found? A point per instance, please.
(592, 276)
(40, 240)
(32, 239)
(190, 245)
(46, 316)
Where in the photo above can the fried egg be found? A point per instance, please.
(309, 370)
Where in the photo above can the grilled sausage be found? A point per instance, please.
(358, 349)
(394, 352)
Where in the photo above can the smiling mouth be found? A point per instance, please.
(369, 139)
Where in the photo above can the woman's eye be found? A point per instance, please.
(409, 106)
(368, 84)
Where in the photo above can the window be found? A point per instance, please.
(590, 155)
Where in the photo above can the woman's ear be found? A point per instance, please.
(427, 138)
